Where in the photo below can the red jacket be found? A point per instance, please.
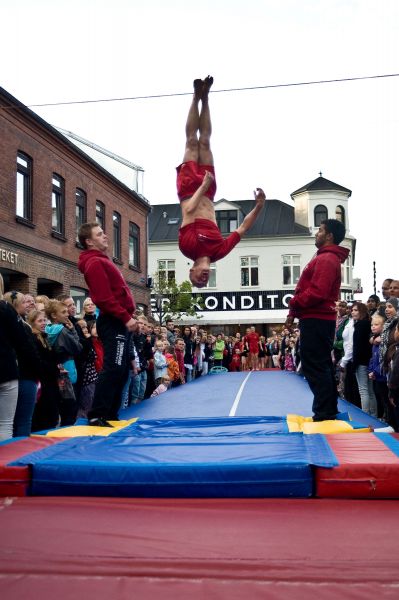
(318, 287)
(108, 289)
(180, 360)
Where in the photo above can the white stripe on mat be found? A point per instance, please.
(233, 409)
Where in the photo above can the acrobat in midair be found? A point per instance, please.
(199, 236)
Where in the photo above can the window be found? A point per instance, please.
(346, 271)
(116, 225)
(320, 214)
(166, 271)
(58, 205)
(100, 214)
(79, 295)
(227, 220)
(80, 209)
(249, 270)
(212, 276)
(134, 245)
(340, 214)
(24, 186)
(291, 268)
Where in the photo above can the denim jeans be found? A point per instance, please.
(8, 404)
(188, 375)
(27, 390)
(366, 391)
(137, 387)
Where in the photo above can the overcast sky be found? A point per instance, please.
(280, 138)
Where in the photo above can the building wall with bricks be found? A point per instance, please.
(33, 257)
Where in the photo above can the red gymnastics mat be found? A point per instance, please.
(368, 467)
(15, 480)
(70, 548)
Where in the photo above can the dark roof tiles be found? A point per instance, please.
(321, 183)
(277, 219)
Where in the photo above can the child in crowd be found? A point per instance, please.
(376, 373)
(235, 363)
(172, 366)
(162, 387)
(289, 356)
(88, 372)
(160, 364)
(64, 341)
(97, 345)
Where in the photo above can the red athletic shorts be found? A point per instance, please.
(203, 238)
(189, 177)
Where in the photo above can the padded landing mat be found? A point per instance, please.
(103, 549)
(368, 467)
(15, 480)
(204, 465)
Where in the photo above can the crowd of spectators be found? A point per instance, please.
(50, 358)
(366, 353)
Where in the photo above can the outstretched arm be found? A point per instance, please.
(191, 205)
(251, 217)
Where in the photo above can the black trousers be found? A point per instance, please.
(316, 343)
(111, 380)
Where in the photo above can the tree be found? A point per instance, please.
(172, 300)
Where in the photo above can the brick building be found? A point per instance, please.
(50, 183)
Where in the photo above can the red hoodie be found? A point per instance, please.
(108, 289)
(318, 287)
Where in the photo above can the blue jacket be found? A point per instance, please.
(65, 343)
(374, 364)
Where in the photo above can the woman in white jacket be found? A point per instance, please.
(351, 390)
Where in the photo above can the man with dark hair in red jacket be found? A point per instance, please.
(111, 294)
(314, 305)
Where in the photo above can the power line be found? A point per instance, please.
(222, 91)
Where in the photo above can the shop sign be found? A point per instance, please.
(8, 256)
(245, 301)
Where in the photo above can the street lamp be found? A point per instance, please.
(159, 306)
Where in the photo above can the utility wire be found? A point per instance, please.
(242, 89)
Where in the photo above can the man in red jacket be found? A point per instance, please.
(314, 305)
(111, 294)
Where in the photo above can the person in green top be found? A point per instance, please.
(218, 350)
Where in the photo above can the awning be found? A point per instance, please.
(237, 317)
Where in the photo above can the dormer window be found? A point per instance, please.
(227, 220)
(320, 214)
(340, 214)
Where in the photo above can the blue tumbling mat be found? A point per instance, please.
(198, 463)
(213, 427)
(222, 436)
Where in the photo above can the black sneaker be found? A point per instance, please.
(99, 422)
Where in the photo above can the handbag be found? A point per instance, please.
(65, 387)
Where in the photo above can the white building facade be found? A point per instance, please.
(254, 283)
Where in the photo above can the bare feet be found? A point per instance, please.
(206, 86)
(198, 84)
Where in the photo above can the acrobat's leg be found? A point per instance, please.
(191, 151)
(205, 125)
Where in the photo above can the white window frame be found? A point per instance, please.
(212, 282)
(291, 261)
(167, 269)
(253, 262)
(346, 270)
